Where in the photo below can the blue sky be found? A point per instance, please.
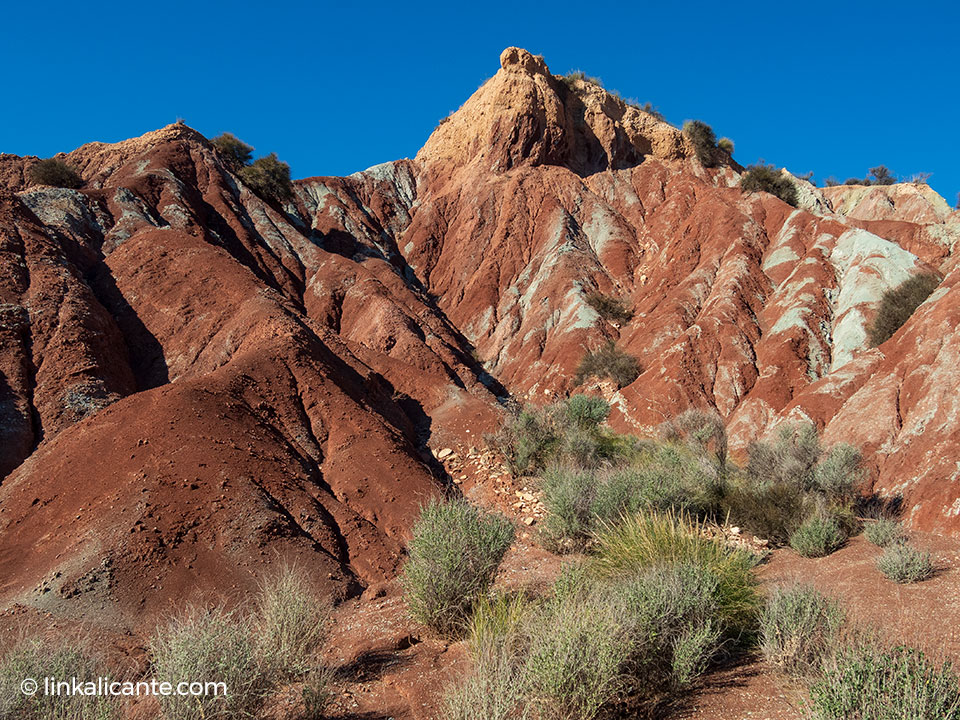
(832, 87)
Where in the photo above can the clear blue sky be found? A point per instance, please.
(833, 87)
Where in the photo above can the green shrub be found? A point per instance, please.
(864, 682)
(494, 688)
(292, 623)
(882, 175)
(820, 535)
(769, 509)
(454, 556)
(898, 304)
(54, 172)
(587, 410)
(39, 659)
(673, 613)
(838, 474)
(647, 539)
(211, 644)
(798, 628)
(269, 178)
(766, 178)
(568, 495)
(609, 308)
(702, 431)
(791, 458)
(529, 439)
(903, 563)
(726, 144)
(235, 153)
(883, 532)
(661, 477)
(703, 140)
(574, 659)
(608, 361)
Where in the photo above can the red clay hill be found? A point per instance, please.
(194, 381)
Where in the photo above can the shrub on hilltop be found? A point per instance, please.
(54, 172)
(704, 141)
(269, 178)
(235, 153)
(767, 178)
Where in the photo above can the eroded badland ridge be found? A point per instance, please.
(194, 380)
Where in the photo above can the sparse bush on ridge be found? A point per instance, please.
(903, 563)
(767, 178)
(799, 626)
(609, 308)
(453, 559)
(608, 361)
(898, 304)
(235, 153)
(39, 659)
(704, 141)
(269, 178)
(649, 108)
(726, 144)
(55, 173)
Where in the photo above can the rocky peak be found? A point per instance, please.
(524, 115)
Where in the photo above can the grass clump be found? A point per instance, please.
(767, 178)
(252, 653)
(293, 623)
(215, 644)
(54, 172)
(454, 556)
(903, 563)
(866, 682)
(799, 626)
(898, 304)
(659, 477)
(608, 361)
(647, 539)
(609, 308)
(820, 535)
(703, 140)
(726, 144)
(883, 532)
(39, 659)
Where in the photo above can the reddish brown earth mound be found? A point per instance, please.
(194, 381)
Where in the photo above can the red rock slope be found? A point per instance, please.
(193, 381)
(540, 190)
